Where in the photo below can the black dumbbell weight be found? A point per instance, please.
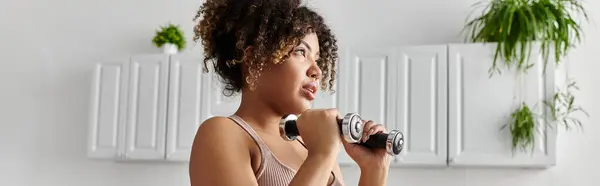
(351, 128)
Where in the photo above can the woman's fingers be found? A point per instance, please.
(371, 128)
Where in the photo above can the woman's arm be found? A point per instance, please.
(315, 170)
(368, 176)
(220, 155)
(336, 167)
(338, 173)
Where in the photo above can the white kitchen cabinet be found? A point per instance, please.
(439, 96)
(403, 88)
(162, 100)
(106, 132)
(185, 105)
(418, 99)
(479, 106)
(442, 99)
(129, 109)
(147, 107)
(362, 84)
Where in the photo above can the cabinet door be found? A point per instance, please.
(214, 102)
(480, 105)
(184, 110)
(147, 107)
(108, 105)
(418, 103)
(363, 86)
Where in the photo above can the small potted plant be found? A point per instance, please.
(170, 38)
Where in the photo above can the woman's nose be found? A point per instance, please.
(314, 71)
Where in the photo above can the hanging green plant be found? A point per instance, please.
(562, 106)
(522, 128)
(171, 34)
(515, 24)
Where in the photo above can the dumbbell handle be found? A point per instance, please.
(392, 141)
(375, 141)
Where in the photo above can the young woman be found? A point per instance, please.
(276, 53)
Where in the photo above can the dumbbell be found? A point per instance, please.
(351, 128)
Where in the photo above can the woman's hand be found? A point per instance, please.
(320, 131)
(368, 159)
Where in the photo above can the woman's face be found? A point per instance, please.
(290, 87)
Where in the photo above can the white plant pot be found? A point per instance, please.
(169, 48)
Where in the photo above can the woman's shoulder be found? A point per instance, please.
(220, 130)
(216, 122)
(220, 146)
(220, 137)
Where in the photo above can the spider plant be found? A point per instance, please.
(563, 105)
(515, 24)
(522, 128)
(523, 121)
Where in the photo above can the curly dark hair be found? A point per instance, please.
(256, 32)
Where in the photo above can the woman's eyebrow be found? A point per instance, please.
(306, 44)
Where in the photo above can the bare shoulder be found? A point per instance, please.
(214, 127)
(219, 150)
(218, 132)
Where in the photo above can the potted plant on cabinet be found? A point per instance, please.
(170, 38)
(514, 26)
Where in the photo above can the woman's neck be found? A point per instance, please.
(258, 114)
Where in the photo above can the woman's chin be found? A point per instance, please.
(299, 106)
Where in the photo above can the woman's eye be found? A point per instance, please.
(300, 52)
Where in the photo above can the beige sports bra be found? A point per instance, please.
(271, 172)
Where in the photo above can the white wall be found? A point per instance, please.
(45, 78)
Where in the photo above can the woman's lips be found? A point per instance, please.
(310, 90)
